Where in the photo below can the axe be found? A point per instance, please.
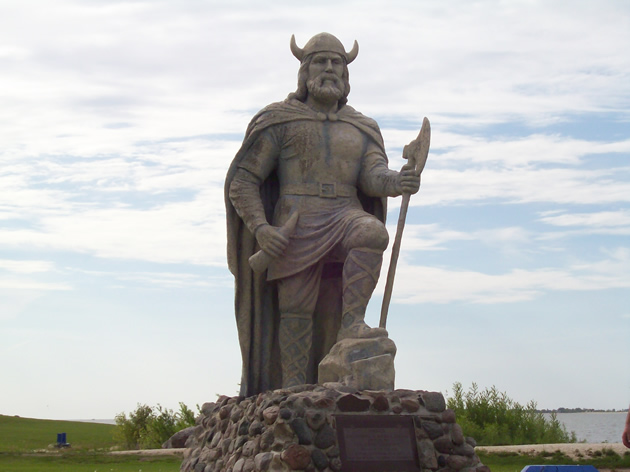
(416, 152)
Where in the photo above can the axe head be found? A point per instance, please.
(417, 150)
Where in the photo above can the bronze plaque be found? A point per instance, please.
(375, 443)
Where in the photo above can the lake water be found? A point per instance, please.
(594, 427)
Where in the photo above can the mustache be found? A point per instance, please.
(324, 76)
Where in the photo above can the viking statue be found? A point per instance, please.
(314, 159)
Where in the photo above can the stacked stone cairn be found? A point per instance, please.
(294, 430)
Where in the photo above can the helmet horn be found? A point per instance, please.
(297, 52)
(352, 55)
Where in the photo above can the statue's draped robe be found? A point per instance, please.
(256, 301)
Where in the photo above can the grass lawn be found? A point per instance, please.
(86, 462)
(26, 434)
(20, 437)
(512, 462)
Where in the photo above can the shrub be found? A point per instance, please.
(149, 428)
(492, 418)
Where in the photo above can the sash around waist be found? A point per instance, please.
(321, 189)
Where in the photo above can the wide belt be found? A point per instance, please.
(321, 189)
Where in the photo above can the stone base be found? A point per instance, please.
(294, 429)
(364, 364)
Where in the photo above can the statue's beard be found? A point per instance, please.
(326, 87)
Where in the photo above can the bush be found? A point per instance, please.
(493, 419)
(149, 428)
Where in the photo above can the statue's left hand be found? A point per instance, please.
(408, 181)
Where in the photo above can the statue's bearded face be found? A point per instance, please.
(325, 76)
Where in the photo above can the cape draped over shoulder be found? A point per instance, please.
(256, 301)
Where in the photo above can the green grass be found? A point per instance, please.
(513, 462)
(26, 434)
(85, 462)
(19, 437)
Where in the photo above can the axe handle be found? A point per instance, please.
(393, 262)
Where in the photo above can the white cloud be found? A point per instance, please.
(421, 284)
(25, 266)
(595, 220)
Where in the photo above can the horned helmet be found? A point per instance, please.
(324, 42)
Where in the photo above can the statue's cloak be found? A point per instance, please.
(256, 299)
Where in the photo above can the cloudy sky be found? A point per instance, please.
(118, 120)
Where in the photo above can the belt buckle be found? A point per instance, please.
(327, 190)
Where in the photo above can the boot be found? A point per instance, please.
(296, 335)
(360, 275)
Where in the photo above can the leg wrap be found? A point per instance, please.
(296, 334)
(360, 276)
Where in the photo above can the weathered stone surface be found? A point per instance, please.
(457, 462)
(457, 435)
(434, 401)
(410, 405)
(471, 441)
(245, 442)
(262, 460)
(426, 455)
(255, 428)
(239, 443)
(238, 466)
(380, 403)
(208, 408)
(434, 430)
(443, 445)
(249, 465)
(271, 414)
(250, 448)
(325, 403)
(303, 432)
(266, 440)
(333, 452)
(448, 416)
(236, 415)
(364, 364)
(224, 411)
(225, 445)
(296, 456)
(325, 437)
(464, 450)
(353, 403)
(278, 465)
(178, 440)
(335, 464)
(320, 460)
(315, 419)
(243, 428)
(282, 433)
